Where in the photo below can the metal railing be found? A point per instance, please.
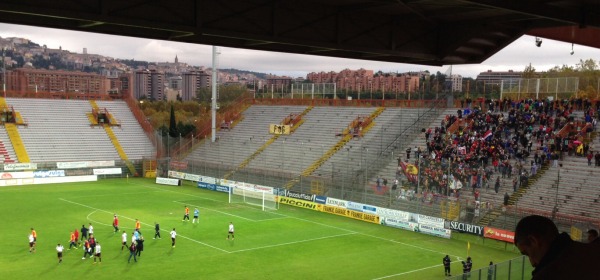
(514, 269)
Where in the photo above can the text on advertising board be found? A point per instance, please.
(499, 234)
(297, 195)
(298, 203)
(462, 227)
(351, 214)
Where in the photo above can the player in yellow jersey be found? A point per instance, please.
(186, 216)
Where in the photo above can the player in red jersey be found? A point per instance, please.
(116, 223)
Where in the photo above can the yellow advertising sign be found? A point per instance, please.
(298, 202)
(279, 129)
(371, 218)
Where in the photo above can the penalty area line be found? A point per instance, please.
(291, 243)
(407, 272)
(409, 245)
(229, 214)
(151, 226)
(208, 209)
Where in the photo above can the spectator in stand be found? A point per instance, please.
(497, 185)
(589, 157)
(554, 255)
(506, 198)
(491, 268)
(593, 236)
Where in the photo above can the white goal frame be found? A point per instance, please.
(266, 200)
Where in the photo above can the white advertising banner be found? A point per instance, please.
(336, 202)
(393, 214)
(167, 181)
(20, 166)
(208, 180)
(16, 175)
(48, 180)
(192, 177)
(431, 221)
(176, 174)
(108, 171)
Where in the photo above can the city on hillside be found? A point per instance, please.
(30, 67)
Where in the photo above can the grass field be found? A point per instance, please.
(289, 243)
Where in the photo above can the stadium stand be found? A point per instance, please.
(59, 130)
(129, 132)
(233, 146)
(7, 152)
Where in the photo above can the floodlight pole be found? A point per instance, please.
(3, 72)
(214, 95)
(418, 172)
(556, 197)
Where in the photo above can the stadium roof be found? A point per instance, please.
(423, 32)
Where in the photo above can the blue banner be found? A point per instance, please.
(320, 199)
(369, 209)
(213, 187)
(48, 173)
(221, 188)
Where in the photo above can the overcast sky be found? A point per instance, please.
(514, 57)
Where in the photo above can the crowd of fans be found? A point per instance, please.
(509, 140)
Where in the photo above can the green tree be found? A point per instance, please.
(173, 132)
(529, 72)
(588, 65)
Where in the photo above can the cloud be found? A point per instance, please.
(513, 57)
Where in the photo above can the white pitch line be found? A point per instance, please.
(229, 214)
(200, 197)
(185, 237)
(407, 272)
(330, 226)
(95, 222)
(290, 243)
(406, 244)
(347, 230)
(224, 213)
(103, 224)
(112, 194)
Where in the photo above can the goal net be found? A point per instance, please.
(265, 200)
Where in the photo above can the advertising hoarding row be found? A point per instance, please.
(85, 164)
(389, 217)
(47, 180)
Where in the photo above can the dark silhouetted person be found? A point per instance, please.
(465, 270)
(554, 255)
(446, 261)
(490, 274)
(139, 246)
(156, 231)
(593, 236)
(132, 251)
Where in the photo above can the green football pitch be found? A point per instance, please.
(289, 243)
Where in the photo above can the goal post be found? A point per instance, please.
(265, 200)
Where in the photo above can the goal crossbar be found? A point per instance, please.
(265, 200)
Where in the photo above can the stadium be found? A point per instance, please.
(317, 187)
